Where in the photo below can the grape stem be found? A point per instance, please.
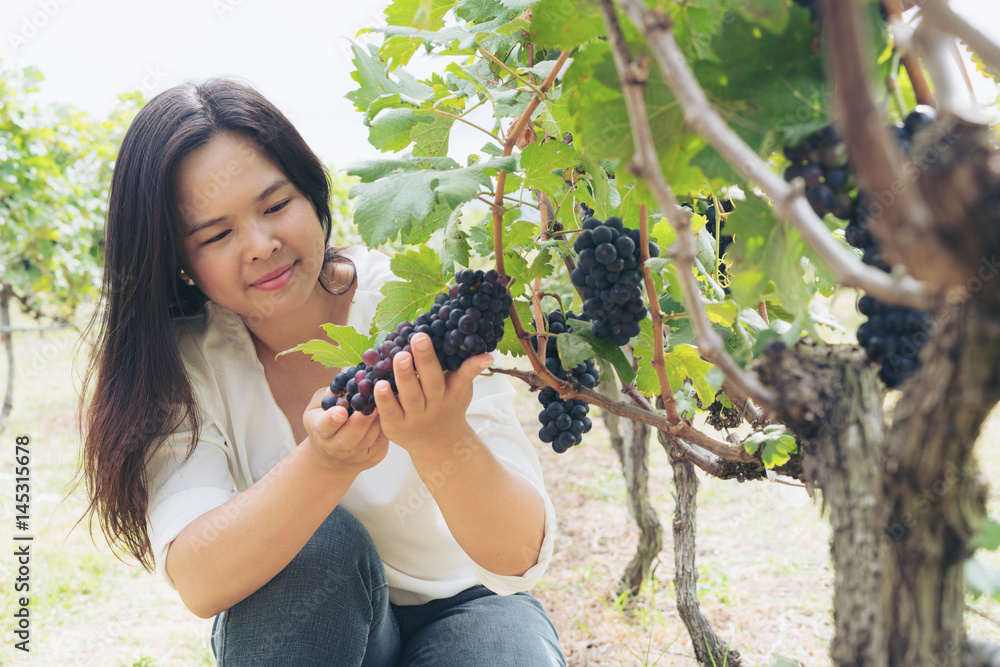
(646, 165)
(790, 205)
(659, 365)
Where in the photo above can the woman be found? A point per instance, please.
(407, 536)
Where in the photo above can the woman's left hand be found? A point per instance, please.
(430, 409)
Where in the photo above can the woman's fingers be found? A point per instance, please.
(411, 396)
(428, 366)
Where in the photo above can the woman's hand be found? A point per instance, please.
(430, 409)
(345, 444)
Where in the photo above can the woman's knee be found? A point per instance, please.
(490, 630)
(340, 555)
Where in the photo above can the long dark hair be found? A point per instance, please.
(135, 390)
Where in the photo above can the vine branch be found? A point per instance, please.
(683, 431)
(666, 391)
(921, 90)
(946, 20)
(498, 210)
(906, 228)
(790, 204)
(646, 165)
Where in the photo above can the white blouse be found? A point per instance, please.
(244, 434)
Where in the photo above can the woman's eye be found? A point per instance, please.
(278, 207)
(217, 237)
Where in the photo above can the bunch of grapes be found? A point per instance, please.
(609, 277)
(466, 321)
(563, 422)
(821, 161)
(890, 335)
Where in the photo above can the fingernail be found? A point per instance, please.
(486, 364)
(422, 342)
(404, 360)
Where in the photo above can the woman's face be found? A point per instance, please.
(254, 243)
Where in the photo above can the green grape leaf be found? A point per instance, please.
(510, 344)
(766, 252)
(420, 280)
(374, 80)
(344, 348)
(723, 313)
(395, 129)
(766, 80)
(601, 125)
(573, 350)
(682, 362)
(518, 5)
(988, 536)
(420, 14)
(684, 401)
(408, 195)
(982, 579)
(455, 243)
(538, 160)
(646, 380)
(695, 22)
(770, 14)
(605, 349)
(778, 445)
(565, 24)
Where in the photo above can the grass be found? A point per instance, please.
(766, 582)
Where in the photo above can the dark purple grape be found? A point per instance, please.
(605, 253)
(371, 357)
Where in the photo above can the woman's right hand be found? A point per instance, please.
(344, 444)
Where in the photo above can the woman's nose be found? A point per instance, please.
(262, 242)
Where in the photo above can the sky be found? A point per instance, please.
(296, 52)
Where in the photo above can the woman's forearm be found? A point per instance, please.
(495, 515)
(226, 554)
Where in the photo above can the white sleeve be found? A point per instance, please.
(182, 490)
(491, 414)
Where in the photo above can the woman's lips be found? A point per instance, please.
(276, 280)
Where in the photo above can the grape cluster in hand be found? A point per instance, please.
(564, 424)
(609, 277)
(821, 161)
(466, 321)
(892, 335)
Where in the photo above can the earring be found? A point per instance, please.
(186, 279)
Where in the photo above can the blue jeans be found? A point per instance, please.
(330, 606)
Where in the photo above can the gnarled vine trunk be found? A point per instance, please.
(832, 401)
(630, 440)
(934, 502)
(903, 508)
